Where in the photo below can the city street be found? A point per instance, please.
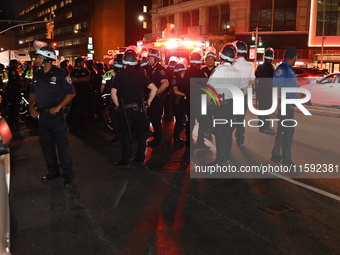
(155, 210)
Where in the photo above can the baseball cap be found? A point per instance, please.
(291, 52)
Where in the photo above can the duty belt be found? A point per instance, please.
(133, 106)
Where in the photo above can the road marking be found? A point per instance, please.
(306, 186)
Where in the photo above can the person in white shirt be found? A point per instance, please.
(247, 72)
(224, 75)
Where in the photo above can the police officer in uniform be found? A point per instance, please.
(223, 133)
(181, 92)
(50, 93)
(127, 90)
(264, 87)
(81, 80)
(157, 74)
(195, 100)
(14, 91)
(210, 58)
(247, 72)
(284, 76)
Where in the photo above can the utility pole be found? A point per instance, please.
(256, 41)
(323, 32)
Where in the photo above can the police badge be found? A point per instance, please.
(68, 79)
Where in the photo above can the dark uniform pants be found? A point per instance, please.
(179, 111)
(155, 114)
(54, 143)
(265, 102)
(284, 135)
(137, 119)
(240, 128)
(223, 132)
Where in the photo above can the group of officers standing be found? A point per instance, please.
(138, 88)
(156, 81)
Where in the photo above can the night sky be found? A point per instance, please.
(6, 13)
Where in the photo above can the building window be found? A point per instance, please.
(168, 2)
(332, 18)
(62, 3)
(68, 1)
(225, 16)
(195, 18)
(145, 8)
(145, 25)
(68, 42)
(186, 19)
(68, 15)
(213, 19)
(284, 13)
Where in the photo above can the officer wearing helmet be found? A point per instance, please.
(210, 58)
(158, 75)
(51, 91)
(81, 80)
(180, 103)
(247, 72)
(194, 96)
(225, 72)
(127, 90)
(264, 87)
(116, 64)
(168, 109)
(13, 90)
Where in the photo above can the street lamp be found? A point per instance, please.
(77, 31)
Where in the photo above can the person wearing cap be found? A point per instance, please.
(264, 87)
(169, 96)
(50, 94)
(247, 72)
(180, 103)
(284, 77)
(158, 75)
(127, 89)
(225, 72)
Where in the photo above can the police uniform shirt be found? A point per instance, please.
(285, 77)
(264, 77)
(157, 73)
(208, 72)
(226, 74)
(245, 68)
(179, 82)
(81, 85)
(51, 88)
(194, 90)
(130, 85)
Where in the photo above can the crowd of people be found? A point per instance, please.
(144, 92)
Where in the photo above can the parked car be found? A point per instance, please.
(306, 75)
(325, 91)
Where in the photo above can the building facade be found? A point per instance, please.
(101, 26)
(280, 23)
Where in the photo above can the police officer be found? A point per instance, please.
(210, 58)
(81, 80)
(169, 96)
(14, 91)
(284, 76)
(223, 133)
(194, 98)
(180, 103)
(264, 87)
(50, 93)
(157, 74)
(247, 72)
(127, 90)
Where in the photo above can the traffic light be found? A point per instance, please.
(49, 30)
(54, 45)
(260, 41)
(253, 36)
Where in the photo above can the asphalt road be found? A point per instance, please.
(149, 211)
